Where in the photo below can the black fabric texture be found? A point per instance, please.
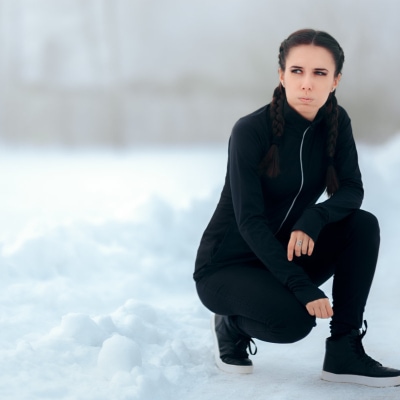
(255, 213)
(267, 310)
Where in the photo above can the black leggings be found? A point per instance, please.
(264, 309)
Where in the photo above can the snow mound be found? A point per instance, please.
(97, 296)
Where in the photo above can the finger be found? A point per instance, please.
(304, 246)
(290, 248)
(323, 312)
(320, 308)
(329, 310)
(310, 309)
(300, 243)
(310, 247)
(326, 310)
(320, 312)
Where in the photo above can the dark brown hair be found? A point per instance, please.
(317, 38)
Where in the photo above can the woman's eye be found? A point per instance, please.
(296, 71)
(320, 73)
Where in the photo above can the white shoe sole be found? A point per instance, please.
(232, 369)
(361, 380)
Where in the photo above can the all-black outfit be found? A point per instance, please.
(242, 269)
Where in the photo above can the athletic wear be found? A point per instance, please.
(255, 211)
(267, 310)
(242, 270)
(346, 362)
(230, 346)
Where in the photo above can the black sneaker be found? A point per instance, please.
(230, 346)
(346, 362)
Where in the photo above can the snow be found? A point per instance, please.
(97, 299)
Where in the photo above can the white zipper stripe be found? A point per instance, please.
(302, 182)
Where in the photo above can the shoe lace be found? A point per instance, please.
(359, 348)
(244, 344)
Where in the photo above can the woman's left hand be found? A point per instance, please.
(320, 308)
(299, 243)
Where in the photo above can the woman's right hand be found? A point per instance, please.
(320, 308)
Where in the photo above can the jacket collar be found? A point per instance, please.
(293, 118)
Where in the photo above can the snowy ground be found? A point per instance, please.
(96, 293)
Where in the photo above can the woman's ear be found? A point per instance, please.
(281, 76)
(336, 82)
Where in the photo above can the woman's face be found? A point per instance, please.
(308, 78)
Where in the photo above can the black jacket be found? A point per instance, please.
(254, 210)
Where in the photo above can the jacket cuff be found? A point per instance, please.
(311, 294)
(311, 223)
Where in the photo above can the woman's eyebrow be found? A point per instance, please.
(315, 69)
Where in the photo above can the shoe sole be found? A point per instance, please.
(232, 369)
(361, 380)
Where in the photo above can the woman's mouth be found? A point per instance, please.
(306, 100)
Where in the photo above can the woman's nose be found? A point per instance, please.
(306, 84)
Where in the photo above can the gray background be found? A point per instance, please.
(126, 73)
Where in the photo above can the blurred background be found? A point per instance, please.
(127, 73)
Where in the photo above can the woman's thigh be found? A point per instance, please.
(251, 291)
(349, 243)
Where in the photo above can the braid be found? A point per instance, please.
(332, 182)
(270, 163)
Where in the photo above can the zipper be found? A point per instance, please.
(302, 181)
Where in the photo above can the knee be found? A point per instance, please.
(366, 225)
(293, 330)
(367, 219)
(301, 328)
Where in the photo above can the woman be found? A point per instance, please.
(269, 245)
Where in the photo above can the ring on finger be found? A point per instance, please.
(299, 242)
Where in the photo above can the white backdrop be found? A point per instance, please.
(123, 72)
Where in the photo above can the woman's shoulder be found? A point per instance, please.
(345, 130)
(250, 134)
(343, 115)
(251, 131)
(257, 121)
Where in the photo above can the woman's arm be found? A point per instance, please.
(350, 194)
(245, 153)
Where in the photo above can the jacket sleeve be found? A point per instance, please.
(245, 154)
(350, 194)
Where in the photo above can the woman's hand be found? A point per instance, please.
(299, 243)
(320, 308)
